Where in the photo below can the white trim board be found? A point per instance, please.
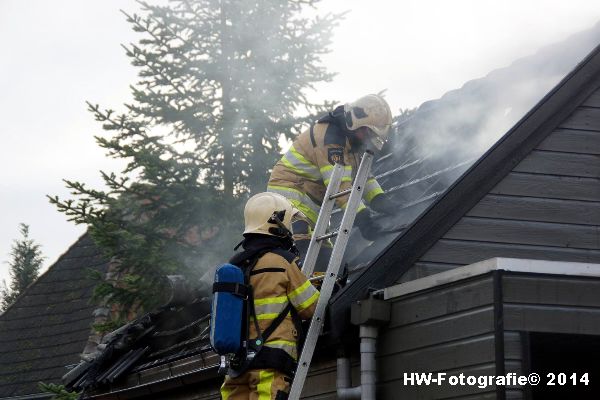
(493, 264)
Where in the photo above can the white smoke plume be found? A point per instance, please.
(431, 148)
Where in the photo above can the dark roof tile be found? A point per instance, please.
(48, 326)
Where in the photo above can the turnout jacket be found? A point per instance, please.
(276, 281)
(303, 173)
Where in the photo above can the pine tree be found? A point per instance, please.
(220, 82)
(227, 76)
(25, 262)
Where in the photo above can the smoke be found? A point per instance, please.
(439, 141)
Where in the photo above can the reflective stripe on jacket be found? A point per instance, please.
(277, 281)
(304, 171)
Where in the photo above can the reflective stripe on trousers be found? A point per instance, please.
(261, 384)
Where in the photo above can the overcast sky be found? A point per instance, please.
(56, 55)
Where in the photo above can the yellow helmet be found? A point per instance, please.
(373, 112)
(268, 213)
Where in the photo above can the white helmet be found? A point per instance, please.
(373, 112)
(268, 213)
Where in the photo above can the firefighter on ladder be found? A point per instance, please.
(278, 288)
(303, 173)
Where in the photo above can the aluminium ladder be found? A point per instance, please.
(319, 235)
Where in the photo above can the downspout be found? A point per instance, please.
(369, 314)
(345, 391)
(368, 368)
(368, 365)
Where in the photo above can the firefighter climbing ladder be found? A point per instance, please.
(319, 235)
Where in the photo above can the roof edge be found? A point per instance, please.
(518, 265)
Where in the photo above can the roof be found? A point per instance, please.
(480, 178)
(48, 326)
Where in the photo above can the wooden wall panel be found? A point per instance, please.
(593, 100)
(572, 291)
(526, 232)
(587, 118)
(537, 209)
(455, 299)
(549, 186)
(572, 141)
(430, 332)
(556, 163)
(468, 252)
(552, 318)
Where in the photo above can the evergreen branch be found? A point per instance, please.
(59, 391)
(137, 53)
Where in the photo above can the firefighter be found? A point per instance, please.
(279, 288)
(303, 173)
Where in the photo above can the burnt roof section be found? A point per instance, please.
(47, 327)
(160, 351)
(538, 123)
(154, 347)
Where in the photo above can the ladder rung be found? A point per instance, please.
(327, 236)
(340, 194)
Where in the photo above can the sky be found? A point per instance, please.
(58, 55)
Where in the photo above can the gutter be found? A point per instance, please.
(173, 381)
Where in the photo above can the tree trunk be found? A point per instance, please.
(228, 115)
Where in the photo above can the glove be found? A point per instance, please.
(383, 204)
(368, 227)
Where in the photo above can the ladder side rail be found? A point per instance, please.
(314, 247)
(328, 284)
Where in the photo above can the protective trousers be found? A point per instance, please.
(257, 384)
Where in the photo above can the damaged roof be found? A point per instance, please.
(161, 346)
(48, 326)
